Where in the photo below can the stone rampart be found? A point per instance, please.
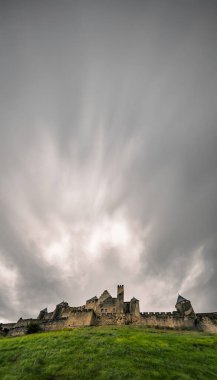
(113, 319)
(17, 331)
(167, 319)
(107, 310)
(20, 327)
(53, 325)
(207, 322)
(80, 318)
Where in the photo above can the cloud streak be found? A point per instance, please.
(107, 153)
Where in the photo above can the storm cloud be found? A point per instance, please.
(108, 152)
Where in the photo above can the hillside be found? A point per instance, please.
(109, 353)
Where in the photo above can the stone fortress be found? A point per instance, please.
(107, 310)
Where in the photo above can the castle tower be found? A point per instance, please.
(134, 307)
(184, 307)
(42, 314)
(120, 293)
(120, 298)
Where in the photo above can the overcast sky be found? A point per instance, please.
(108, 153)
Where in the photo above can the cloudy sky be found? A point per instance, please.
(108, 152)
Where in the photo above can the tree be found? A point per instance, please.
(33, 327)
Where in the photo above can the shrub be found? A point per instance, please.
(33, 327)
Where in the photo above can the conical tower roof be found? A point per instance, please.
(180, 299)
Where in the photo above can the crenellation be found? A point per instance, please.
(108, 310)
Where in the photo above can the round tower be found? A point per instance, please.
(184, 307)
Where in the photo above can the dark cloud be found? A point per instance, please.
(108, 146)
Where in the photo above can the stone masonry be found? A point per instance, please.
(108, 310)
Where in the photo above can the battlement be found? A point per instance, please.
(78, 308)
(108, 310)
(160, 314)
(79, 311)
(120, 293)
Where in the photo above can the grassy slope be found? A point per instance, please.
(109, 353)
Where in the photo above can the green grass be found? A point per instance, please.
(110, 353)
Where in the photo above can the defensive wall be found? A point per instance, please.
(107, 310)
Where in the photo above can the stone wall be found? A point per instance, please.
(20, 327)
(91, 304)
(48, 315)
(81, 318)
(108, 306)
(76, 318)
(7, 326)
(171, 320)
(58, 324)
(17, 331)
(207, 322)
(113, 319)
(115, 311)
